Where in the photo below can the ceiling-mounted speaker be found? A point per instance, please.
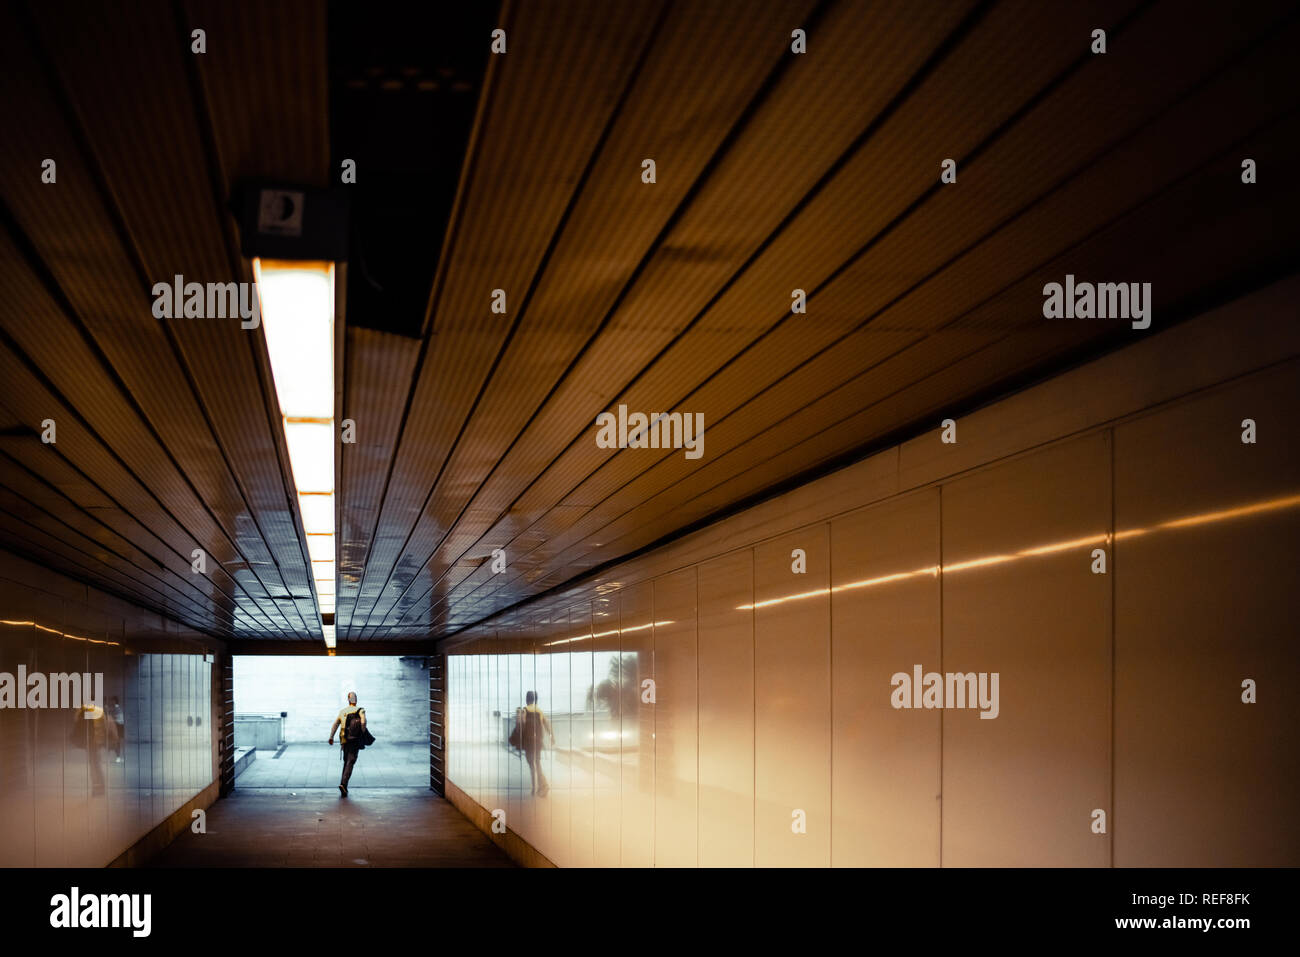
(279, 221)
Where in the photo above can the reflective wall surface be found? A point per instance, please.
(80, 783)
(1122, 585)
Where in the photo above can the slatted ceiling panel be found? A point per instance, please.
(263, 88)
(852, 55)
(27, 312)
(90, 525)
(73, 191)
(673, 297)
(35, 458)
(27, 520)
(127, 341)
(169, 208)
(377, 380)
(702, 65)
(854, 347)
(687, 363)
(800, 94)
(264, 83)
(1014, 353)
(801, 248)
(31, 455)
(508, 216)
(628, 46)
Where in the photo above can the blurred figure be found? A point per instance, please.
(119, 722)
(534, 724)
(93, 737)
(351, 737)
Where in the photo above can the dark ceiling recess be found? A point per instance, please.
(404, 85)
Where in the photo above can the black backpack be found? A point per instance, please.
(355, 733)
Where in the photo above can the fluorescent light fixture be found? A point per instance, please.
(297, 303)
(320, 547)
(317, 513)
(298, 316)
(311, 454)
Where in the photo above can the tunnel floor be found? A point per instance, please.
(319, 765)
(376, 827)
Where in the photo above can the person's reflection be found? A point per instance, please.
(535, 723)
(118, 731)
(98, 732)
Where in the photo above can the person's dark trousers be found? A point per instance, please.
(349, 759)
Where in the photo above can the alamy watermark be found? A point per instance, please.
(948, 690)
(1102, 300)
(58, 690)
(179, 299)
(658, 430)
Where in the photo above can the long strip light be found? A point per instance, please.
(298, 320)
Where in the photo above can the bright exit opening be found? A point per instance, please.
(285, 706)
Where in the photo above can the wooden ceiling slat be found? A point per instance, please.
(41, 330)
(1162, 154)
(30, 401)
(71, 544)
(92, 527)
(774, 172)
(265, 84)
(699, 76)
(377, 381)
(531, 156)
(1184, 267)
(170, 210)
(831, 228)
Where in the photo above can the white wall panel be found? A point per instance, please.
(1020, 600)
(1207, 596)
(885, 785)
(726, 711)
(792, 702)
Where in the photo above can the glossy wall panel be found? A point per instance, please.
(725, 589)
(607, 674)
(582, 724)
(676, 732)
(777, 733)
(1024, 771)
(84, 770)
(637, 725)
(792, 701)
(885, 784)
(1207, 597)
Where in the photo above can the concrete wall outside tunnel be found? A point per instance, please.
(394, 691)
(1121, 734)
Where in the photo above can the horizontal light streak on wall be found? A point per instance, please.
(55, 631)
(297, 300)
(608, 634)
(1066, 546)
(1243, 511)
(1272, 505)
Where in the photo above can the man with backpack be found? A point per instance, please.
(352, 738)
(533, 723)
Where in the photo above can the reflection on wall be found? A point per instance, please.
(735, 712)
(80, 785)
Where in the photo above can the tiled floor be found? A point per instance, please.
(318, 765)
(376, 827)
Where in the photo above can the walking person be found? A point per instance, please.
(119, 719)
(535, 723)
(351, 723)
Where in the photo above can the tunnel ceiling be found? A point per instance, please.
(475, 428)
